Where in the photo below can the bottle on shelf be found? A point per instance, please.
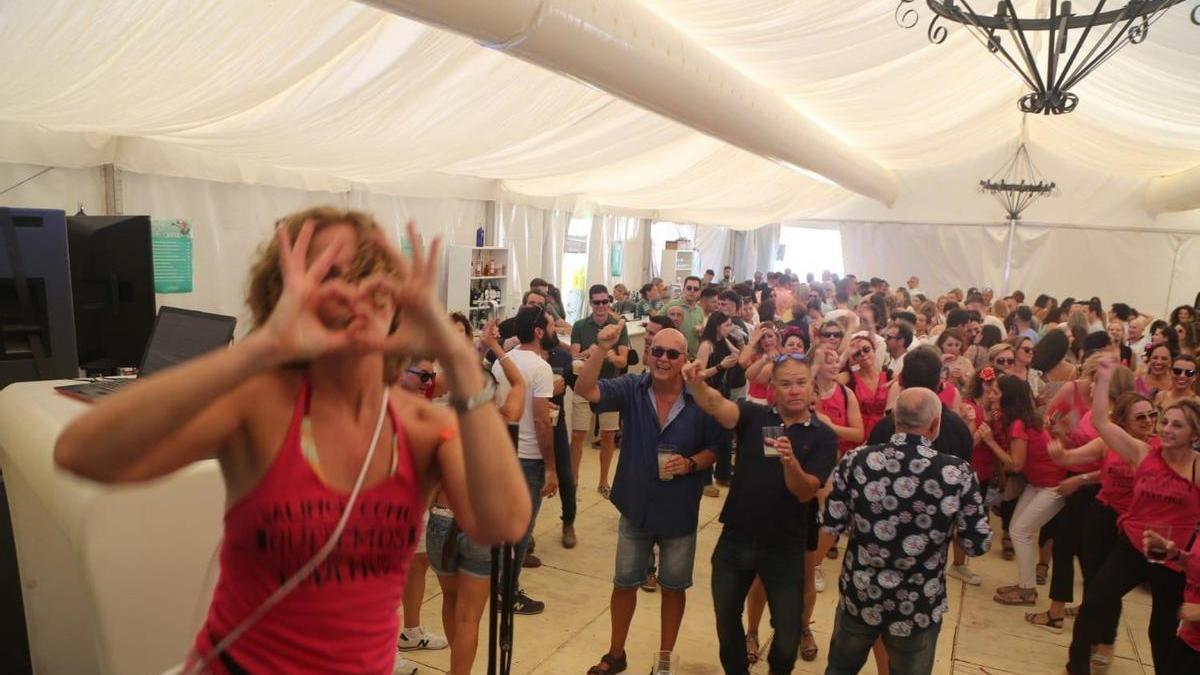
(479, 236)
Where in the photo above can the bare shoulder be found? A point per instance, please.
(426, 425)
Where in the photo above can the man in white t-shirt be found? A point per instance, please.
(534, 434)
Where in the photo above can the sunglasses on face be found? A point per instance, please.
(795, 357)
(425, 375)
(832, 335)
(1184, 372)
(691, 288)
(1027, 349)
(892, 337)
(1005, 362)
(659, 352)
(863, 352)
(1151, 416)
(600, 303)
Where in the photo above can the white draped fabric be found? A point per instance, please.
(330, 95)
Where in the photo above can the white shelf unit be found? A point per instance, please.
(467, 278)
(676, 266)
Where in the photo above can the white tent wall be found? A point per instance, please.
(520, 228)
(43, 187)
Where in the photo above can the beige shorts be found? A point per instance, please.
(581, 416)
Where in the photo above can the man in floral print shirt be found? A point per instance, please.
(900, 501)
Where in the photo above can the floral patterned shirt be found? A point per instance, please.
(900, 501)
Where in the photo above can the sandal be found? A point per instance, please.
(1071, 611)
(1044, 620)
(1016, 596)
(1008, 551)
(604, 491)
(614, 665)
(752, 648)
(808, 645)
(1042, 570)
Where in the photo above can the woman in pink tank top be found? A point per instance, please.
(299, 413)
(868, 382)
(1165, 500)
(837, 404)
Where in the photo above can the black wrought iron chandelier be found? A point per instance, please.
(1051, 53)
(1017, 184)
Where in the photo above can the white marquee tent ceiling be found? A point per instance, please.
(324, 93)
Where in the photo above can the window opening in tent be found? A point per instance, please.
(806, 249)
(574, 266)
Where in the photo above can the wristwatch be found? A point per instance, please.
(463, 405)
(691, 465)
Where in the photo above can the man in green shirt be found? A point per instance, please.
(583, 342)
(693, 317)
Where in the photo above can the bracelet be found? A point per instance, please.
(465, 404)
(691, 464)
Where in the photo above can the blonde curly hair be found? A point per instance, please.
(266, 278)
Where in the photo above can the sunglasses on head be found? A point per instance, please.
(425, 375)
(1146, 416)
(1005, 362)
(659, 352)
(798, 356)
(600, 303)
(1185, 372)
(830, 335)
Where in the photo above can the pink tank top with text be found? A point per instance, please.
(1162, 499)
(1116, 482)
(872, 404)
(343, 618)
(835, 406)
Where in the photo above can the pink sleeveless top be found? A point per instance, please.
(1189, 631)
(343, 617)
(1161, 498)
(981, 454)
(836, 408)
(947, 394)
(872, 404)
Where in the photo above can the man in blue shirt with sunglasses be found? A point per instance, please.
(659, 499)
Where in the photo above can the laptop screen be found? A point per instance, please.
(182, 334)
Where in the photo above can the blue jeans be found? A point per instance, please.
(852, 640)
(635, 549)
(736, 560)
(562, 467)
(535, 478)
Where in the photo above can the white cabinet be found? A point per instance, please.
(676, 266)
(477, 282)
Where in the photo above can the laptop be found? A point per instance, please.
(178, 335)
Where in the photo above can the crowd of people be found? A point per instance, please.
(901, 425)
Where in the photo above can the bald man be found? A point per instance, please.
(904, 499)
(667, 442)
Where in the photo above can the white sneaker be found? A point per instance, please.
(819, 579)
(964, 573)
(403, 666)
(418, 638)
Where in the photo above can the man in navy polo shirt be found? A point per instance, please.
(659, 415)
(767, 513)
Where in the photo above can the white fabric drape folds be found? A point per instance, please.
(330, 95)
(520, 228)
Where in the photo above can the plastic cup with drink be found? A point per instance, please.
(1156, 549)
(665, 453)
(770, 436)
(665, 663)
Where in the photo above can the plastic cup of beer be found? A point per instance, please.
(665, 452)
(770, 435)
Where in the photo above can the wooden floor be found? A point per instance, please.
(977, 637)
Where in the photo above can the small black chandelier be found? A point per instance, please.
(1017, 184)
(1076, 43)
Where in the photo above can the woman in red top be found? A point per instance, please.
(758, 360)
(1185, 652)
(1166, 499)
(290, 412)
(867, 381)
(1040, 500)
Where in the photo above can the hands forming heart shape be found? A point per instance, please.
(298, 332)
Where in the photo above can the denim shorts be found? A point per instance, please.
(464, 556)
(635, 554)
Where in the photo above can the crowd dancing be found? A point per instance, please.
(911, 430)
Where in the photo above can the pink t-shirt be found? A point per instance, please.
(342, 618)
(1161, 499)
(1189, 631)
(1040, 470)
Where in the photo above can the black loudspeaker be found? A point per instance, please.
(37, 324)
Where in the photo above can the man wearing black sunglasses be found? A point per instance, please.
(693, 313)
(583, 343)
(659, 502)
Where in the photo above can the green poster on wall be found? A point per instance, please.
(171, 243)
(614, 260)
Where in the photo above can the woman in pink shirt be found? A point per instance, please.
(1166, 499)
(301, 414)
(1040, 500)
(1185, 652)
